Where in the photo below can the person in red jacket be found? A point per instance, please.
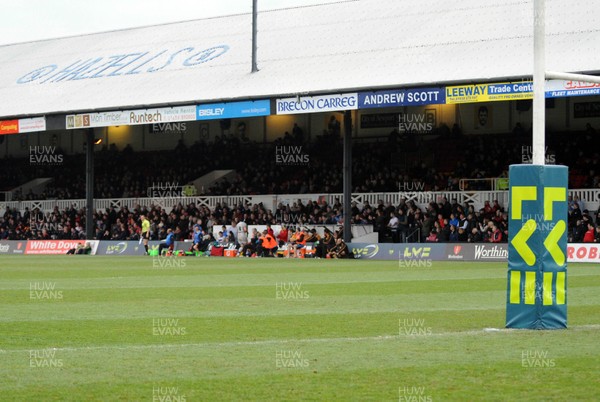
(282, 236)
(269, 230)
(496, 236)
(590, 235)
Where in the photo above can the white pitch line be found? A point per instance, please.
(380, 338)
(210, 344)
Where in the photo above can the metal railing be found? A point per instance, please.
(589, 197)
(412, 236)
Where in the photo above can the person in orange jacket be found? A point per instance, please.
(300, 242)
(267, 246)
(291, 241)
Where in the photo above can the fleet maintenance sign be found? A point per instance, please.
(489, 92)
(560, 88)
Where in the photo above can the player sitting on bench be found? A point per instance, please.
(268, 245)
(340, 250)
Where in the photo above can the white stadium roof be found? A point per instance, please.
(335, 47)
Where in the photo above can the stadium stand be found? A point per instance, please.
(375, 166)
(446, 221)
(464, 157)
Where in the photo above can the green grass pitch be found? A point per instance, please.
(87, 328)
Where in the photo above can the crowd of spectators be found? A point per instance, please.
(583, 227)
(490, 156)
(443, 221)
(386, 166)
(125, 174)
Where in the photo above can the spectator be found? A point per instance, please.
(590, 234)
(496, 234)
(462, 235)
(453, 235)
(393, 226)
(334, 127)
(579, 231)
(453, 220)
(474, 236)
(432, 237)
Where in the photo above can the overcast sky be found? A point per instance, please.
(27, 20)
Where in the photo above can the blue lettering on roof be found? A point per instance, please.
(124, 63)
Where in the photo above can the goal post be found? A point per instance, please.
(537, 265)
